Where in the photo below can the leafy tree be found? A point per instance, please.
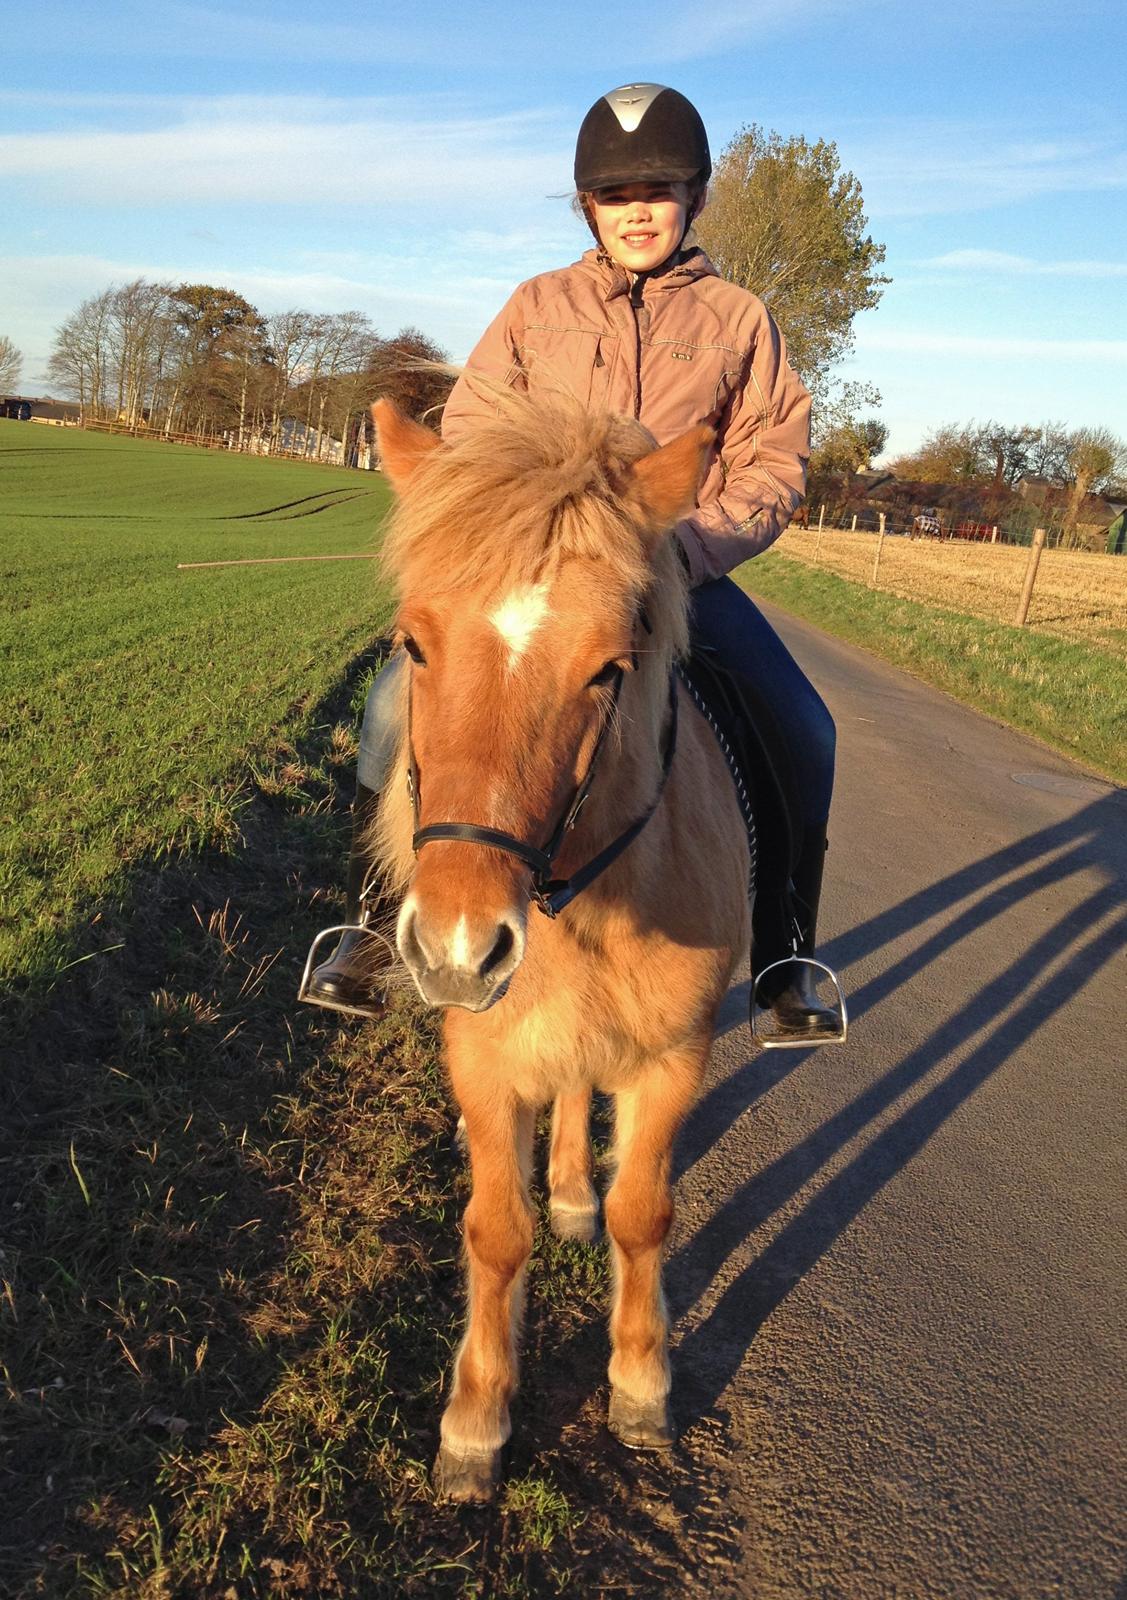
(849, 447)
(409, 369)
(786, 222)
(211, 323)
(11, 361)
(948, 454)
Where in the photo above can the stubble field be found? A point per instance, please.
(1077, 595)
(945, 612)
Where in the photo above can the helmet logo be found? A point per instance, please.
(631, 102)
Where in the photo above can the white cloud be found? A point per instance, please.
(911, 341)
(1000, 261)
(297, 152)
(921, 168)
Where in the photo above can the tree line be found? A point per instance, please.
(199, 359)
(1075, 461)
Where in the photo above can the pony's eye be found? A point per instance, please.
(606, 675)
(413, 650)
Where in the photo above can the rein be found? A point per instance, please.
(550, 894)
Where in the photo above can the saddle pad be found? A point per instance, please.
(751, 738)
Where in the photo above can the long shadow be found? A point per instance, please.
(133, 1197)
(712, 1353)
(1095, 837)
(1007, 1011)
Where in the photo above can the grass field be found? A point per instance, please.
(228, 1281)
(945, 612)
(130, 688)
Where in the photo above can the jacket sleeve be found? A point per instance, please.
(496, 356)
(764, 447)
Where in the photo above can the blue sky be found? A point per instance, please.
(413, 163)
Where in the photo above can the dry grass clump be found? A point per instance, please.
(1077, 595)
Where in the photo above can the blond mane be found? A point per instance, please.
(541, 482)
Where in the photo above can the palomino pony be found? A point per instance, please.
(552, 763)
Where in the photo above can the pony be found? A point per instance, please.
(571, 856)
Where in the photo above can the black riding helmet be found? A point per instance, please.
(641, 133)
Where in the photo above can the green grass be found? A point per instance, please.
(229, 1287)
(130, 690)
(1070, 695)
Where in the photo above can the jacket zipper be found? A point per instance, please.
(638, 310)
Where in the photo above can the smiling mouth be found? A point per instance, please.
(639, 239)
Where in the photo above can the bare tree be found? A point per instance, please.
(1010, 449)
(79, 361)
(1048, 454)
(11, 361)
(141, 329)
(1096, 459)
(290, 336)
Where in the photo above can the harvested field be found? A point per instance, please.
(1077, 596)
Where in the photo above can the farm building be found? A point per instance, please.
(33, 408)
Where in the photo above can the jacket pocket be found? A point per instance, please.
(576, 360)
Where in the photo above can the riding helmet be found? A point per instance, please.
(641, 133)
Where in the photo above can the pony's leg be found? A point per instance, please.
(572, 1205)
(498, 1237)
(639, 1210)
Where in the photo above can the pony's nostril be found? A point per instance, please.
(499, 956)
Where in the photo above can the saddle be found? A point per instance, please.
(749, 733)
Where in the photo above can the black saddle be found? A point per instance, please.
(753, 742)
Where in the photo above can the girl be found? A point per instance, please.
(643, 324)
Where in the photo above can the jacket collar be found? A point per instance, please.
(684, 266)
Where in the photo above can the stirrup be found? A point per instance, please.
(760, 1007)
(311, 965)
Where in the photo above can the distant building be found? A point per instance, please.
(37, 408)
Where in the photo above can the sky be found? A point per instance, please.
(414, 163)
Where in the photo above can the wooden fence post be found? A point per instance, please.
(818, 537)
(994, 534)
(1030, 576)
(876, 558)
(853, 525)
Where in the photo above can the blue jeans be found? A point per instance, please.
(744, 641)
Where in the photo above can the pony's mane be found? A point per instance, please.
(541, 481)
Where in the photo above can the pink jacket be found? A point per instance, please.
(680, 348)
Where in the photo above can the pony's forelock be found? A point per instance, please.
(541, 482)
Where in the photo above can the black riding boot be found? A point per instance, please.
(351, 979)
(789, 994)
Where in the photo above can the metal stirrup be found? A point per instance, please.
(766, 1042)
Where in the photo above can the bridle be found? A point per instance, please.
(550, 894)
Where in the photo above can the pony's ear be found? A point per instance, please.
(666, 480)
(403, 443)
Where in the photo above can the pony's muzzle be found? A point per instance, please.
(459, 961)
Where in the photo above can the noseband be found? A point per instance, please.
(550, 894)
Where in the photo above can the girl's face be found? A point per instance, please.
(641, 224)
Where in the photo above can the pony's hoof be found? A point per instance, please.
(468, 1478)
(569, 1222)
(640, 1424)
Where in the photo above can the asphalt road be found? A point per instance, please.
(898, 1266)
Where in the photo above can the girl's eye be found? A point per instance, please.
(413, 650)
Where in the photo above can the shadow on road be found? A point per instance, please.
(990, 1025)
